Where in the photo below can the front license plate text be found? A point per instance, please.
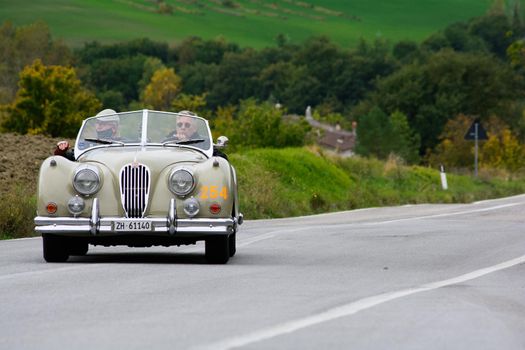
(132, 225)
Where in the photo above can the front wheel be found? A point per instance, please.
(217, 250)
(55, 248)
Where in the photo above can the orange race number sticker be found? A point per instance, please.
(213, 192)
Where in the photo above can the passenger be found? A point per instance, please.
(106, 127)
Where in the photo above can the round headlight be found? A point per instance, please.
(181, 182)
(86, 181)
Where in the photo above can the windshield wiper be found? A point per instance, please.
(185, 142)
(104, 141)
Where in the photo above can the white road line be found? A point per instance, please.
(351, 309)
(445, 214)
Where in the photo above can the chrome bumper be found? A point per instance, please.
(104, 226)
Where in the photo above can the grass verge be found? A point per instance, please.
(301, 181)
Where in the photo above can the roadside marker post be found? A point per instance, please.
(444, 183)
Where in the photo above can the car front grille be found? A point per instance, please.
(134, 189)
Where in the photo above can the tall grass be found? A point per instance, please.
(300, 181)
(17, 211)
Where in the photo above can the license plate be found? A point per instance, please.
(132, 225)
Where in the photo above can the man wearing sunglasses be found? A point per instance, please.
(186, 131)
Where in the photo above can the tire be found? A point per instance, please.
(77, 246)
(217, 250)
(54, 248)
(232, 245)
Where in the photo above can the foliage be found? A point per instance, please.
(50, 101)
(381, 135)
(503, 151)
(405, 141)
(117, 74)
(454, 151)
(301, 181)
(448, 83)
(17, 211)
(19, 47)
(194, 103)
(259, 125)
(375, 134)
(164, 86)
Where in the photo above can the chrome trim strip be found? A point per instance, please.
(84, 225)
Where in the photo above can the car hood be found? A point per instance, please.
(156, 157)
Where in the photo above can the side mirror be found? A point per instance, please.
(222, 142)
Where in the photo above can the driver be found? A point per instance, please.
(186, 128)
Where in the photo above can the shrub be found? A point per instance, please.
(17, 210)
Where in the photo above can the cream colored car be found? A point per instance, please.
(144, 183)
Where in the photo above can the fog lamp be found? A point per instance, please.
(76, 205)
(191, 207)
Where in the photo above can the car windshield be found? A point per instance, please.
(146, 128)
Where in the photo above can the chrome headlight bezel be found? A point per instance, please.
(187, 188)
(93, 174)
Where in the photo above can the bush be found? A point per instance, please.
(17, 211)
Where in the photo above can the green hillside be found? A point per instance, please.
(254, 23)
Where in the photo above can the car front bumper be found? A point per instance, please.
(105, 226)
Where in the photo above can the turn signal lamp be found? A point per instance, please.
(215, 208)
(51, 207)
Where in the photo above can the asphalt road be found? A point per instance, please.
(410, 277)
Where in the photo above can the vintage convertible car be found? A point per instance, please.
(141, 186)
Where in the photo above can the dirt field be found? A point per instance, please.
(20, 159)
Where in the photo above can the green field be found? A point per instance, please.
(254, 23)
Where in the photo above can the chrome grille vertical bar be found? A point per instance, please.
(134, 189)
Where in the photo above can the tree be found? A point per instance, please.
(374, 134)
(405, 142)
(194, 103)
(256, 125)
(162, 89)
(19, 47)
(453, 150)
(117, 74)
(50, 101)
(503, 151)
(447, 84)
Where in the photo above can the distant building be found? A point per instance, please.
(333, 138)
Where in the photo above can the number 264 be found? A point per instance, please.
(213, 192)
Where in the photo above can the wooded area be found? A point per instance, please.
(416, 100)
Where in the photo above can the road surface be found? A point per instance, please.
(409, 277)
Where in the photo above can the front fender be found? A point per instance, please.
(55, 185)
